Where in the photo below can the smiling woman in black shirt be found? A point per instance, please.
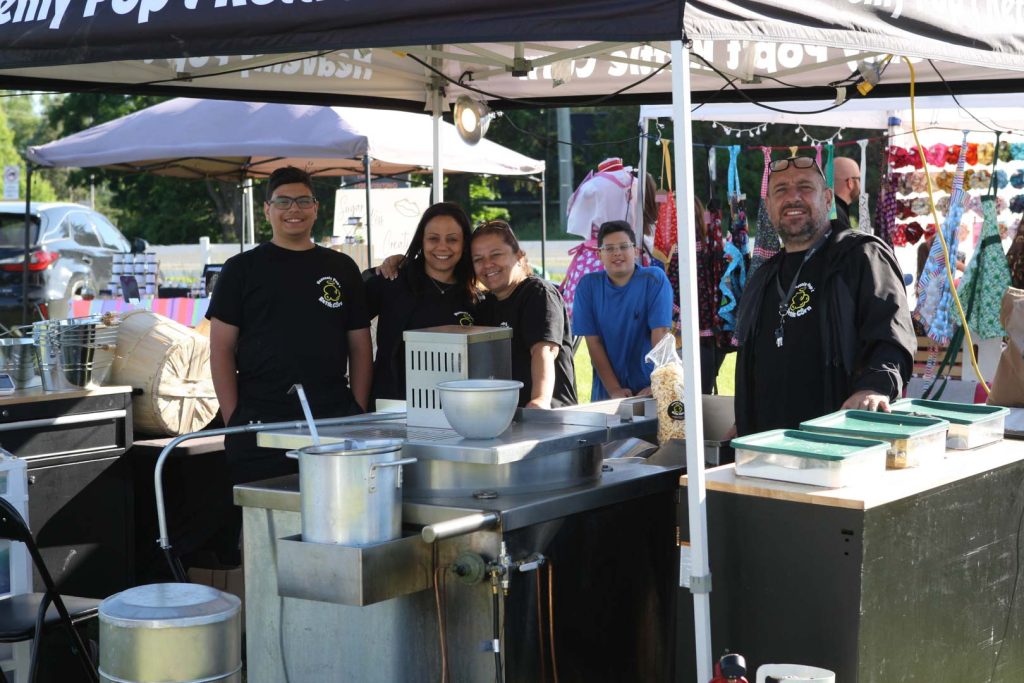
(433, 287)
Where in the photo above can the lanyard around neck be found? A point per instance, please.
(787, 296)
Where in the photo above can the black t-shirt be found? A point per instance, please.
(783, 397)
(293, 311)
(536, 312)
(411, 301)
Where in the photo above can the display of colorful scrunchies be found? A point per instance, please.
(953, 154)
(919, 181)
(979, 179)
(1001, 179)
(1004, 151)
(1017, 179)
(972, 153)
(986, 153)
(899, 235)
(943, 180)
(1017, 151)
(936, 154)
(912, 232)
(1017, 204)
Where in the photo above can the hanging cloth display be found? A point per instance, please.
(766, 241)
(1015, 257)
(665, 228)
(863, 211)
(830, 175)
(988, 273)
(735, 277)
(934, 296)
(885, 215)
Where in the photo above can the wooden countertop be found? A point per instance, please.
(891, 486)
(36, 394)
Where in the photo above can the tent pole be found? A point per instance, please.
(438, 184)
(369, 248)
(28, 242)
(250, 216)
(641, 177)
(543, 222)
(700, 581)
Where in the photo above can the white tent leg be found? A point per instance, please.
(696, 495)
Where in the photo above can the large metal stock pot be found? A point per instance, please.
(351, 491)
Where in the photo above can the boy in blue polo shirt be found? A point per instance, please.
(622, 312)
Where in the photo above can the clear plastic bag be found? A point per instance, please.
(667, 387)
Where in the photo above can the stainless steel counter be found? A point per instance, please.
(611, 542)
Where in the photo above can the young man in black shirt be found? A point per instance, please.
(287, 312)
(825, 323)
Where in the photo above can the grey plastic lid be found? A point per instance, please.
(168, 605)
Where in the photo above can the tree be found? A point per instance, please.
(18, 125)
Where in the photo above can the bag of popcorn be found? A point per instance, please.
(667, 388)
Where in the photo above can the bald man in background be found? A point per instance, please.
(846, 175)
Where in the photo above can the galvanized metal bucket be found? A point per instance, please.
(171, 633)
(351, 491)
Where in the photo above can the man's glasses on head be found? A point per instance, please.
(285, 203)
(616, 248)
(780, 165)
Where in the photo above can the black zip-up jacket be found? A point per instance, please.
(867, 337)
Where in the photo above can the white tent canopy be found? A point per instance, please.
(191, 138)
(769, 50)
(998, 111)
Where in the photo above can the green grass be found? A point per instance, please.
(585, 374)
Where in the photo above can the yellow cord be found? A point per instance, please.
(942, 238)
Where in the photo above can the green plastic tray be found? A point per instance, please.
(806, 444)
(957, 413)
(871, 424)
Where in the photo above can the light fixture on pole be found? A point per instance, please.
(472, 118)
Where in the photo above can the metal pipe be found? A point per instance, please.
(543, 223)
(459, 526)
(687, 241)
(64, 420)
(243, 429)
(369, 225)
(28, 242)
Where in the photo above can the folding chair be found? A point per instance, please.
(24, 617)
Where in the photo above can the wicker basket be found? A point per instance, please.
(171, 365)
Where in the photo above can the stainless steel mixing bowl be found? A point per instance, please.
(479, 408)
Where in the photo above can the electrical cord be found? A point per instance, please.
(953, 95)
(535, 103)
(551, 618)
(942, 238)
(731, 83)
(440, 601)
(496, 627)
(538, 586)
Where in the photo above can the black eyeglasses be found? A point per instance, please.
(799, 162)
(285, 203)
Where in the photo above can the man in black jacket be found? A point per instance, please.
(825, 323)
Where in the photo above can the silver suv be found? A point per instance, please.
(71, 252)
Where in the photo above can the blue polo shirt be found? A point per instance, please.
(623, 318)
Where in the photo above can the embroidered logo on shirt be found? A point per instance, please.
(800, 304)
(464, 318)
(330, 292)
